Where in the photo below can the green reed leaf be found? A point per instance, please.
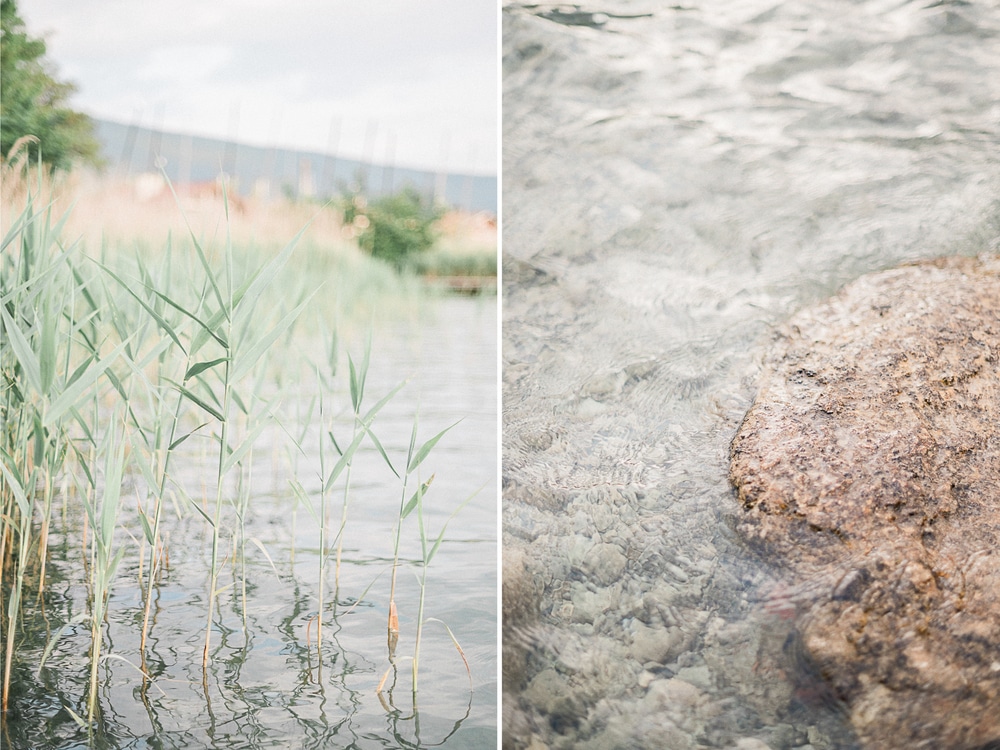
(16, 227)
(160, 320)
(15, 482)
(138, 455)
(347, 455)
(303, 496)
(207, 329)
(200, 367)
(370, 414)
(23, 351)
(355, 395)
(184, 437)
(416, 499)
(247, 359)
(49, 327)
(146, 528)
(336, 445)
(385, 457)
(196, 506)
(200, 402)
(113, 564)
(239, 401)
(344, 460)
(113, 471)
(425, 450)
(209, 271)
(81, 458)
(73, 393)
(83, 287)
(437, 542)
(247, 296)
(82, 368)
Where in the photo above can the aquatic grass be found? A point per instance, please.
(39, 400)
(173, 319)
(160, 441)
(358, 378)
(115, 364)
(105, 557)
(362, 427)
(17, 525)
(40, 331)
(428, 549)
(232, 323)
(427, 553)
(241, 460)
(414, 458)
(32, 339)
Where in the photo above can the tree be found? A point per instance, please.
(32, 102)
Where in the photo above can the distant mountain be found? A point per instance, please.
(132, 149)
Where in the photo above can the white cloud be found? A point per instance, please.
(182, 65)
(423, 71)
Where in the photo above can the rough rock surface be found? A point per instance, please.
(869, 465)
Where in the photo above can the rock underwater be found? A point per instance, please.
(868, 467)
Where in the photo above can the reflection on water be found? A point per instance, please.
(265, 686)
(676, 184)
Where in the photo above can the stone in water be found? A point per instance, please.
(869, 467)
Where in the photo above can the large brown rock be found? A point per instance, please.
(869, 466)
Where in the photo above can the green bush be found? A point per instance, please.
(393, 228)
(444, 262)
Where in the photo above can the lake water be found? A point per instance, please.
(679, 179)
(264, 686)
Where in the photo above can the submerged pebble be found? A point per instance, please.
(604, 563)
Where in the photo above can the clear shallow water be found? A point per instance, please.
(264, 686)
(676, 183)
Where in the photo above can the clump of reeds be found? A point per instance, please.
(361, 428)
(75, 330)
(109, 364)
(414, 458)
(51, 361)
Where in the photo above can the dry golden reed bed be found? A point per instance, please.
(117, 210)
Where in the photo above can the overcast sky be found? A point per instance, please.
(413, 82)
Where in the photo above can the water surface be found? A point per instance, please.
(265, 686)
(677, 181)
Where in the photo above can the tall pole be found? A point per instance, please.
(441, 179)
(328, 179)
(229, 158)
(367, 155)
(388, 163)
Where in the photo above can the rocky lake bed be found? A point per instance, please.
(679, 185)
